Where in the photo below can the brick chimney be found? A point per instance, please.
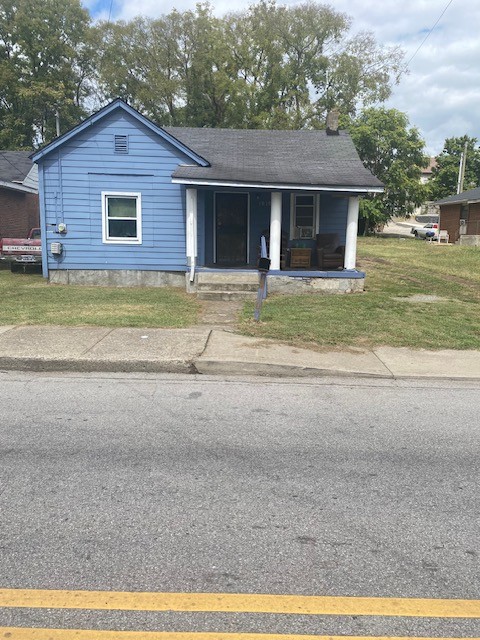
(332, 122)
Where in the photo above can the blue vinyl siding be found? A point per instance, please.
(78, 171)
(333, 215)
(259, 221)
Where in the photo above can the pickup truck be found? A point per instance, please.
(22, 251)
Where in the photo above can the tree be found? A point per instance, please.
(445, 175)
(45, 61)
(395, 154)
(269, 66)
(173, 69)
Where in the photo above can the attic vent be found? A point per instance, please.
(121, 144)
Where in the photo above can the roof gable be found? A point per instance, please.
(16, 171)
(100, 115)
(14, 165)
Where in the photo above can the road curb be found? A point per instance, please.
(216, 367)
(96, 366)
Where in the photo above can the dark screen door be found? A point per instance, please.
(231, 227)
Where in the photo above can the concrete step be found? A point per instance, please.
(225, 295)
(227, 278)
(227, 286)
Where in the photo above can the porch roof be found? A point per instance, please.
(306, 159)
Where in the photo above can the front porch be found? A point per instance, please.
(224, 231)
(241, 284)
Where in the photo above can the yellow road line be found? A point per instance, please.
(16, 633)
(240, 603)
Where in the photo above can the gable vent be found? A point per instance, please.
(121, 144)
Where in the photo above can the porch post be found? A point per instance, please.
(352, 230)
(191, 229)
(275, 230)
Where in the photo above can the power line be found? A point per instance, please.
(110, 12)
(424, 40)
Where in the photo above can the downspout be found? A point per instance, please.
(43, 220)
(191, 206)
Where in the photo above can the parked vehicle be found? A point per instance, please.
(427, 231)
(22, 251)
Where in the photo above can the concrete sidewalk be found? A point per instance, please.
(214, 351)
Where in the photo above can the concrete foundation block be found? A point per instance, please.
(225, 284)
(470, 241)
(117, 278)
(291, 286)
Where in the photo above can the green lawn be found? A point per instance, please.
(29, 299)
(395, 269)
(382, 315)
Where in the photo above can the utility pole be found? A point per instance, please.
(57, 122)
(461, 169)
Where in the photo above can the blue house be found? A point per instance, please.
(126, 202)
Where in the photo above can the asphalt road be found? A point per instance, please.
(251, 486)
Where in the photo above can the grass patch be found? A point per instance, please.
(29, 299)
(395, 269)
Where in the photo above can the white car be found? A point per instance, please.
(428, 231)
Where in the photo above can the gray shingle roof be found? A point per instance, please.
(297, 158)
(14, 165)
(466, 196)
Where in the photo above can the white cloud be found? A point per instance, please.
(441, 94)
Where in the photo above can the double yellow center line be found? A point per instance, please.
(220, 603)
(239, 603)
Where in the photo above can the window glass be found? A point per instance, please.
(305, 200)
(122, 217)
(122, 207)
(305, 216)
(122, 229)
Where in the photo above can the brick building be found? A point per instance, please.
(460, 216)
(19, 210)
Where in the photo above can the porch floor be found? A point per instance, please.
(298, 273)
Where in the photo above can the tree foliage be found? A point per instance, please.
(445, 175)
(45, 60)
(394, 152)
(269, 66)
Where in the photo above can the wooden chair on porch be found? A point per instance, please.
(283, 246)
(330, 253)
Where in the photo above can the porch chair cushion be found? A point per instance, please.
(330, 253)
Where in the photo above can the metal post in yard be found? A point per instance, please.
(261, 289)
(263, 267)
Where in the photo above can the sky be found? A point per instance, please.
(441, 91)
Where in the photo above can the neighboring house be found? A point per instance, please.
(427, 172)
(460, 216)
(19, 210)
(132, 203)
(428, 208)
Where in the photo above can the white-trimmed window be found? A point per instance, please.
(122, 217)
(304, 215)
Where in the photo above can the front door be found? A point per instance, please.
(231, 229)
